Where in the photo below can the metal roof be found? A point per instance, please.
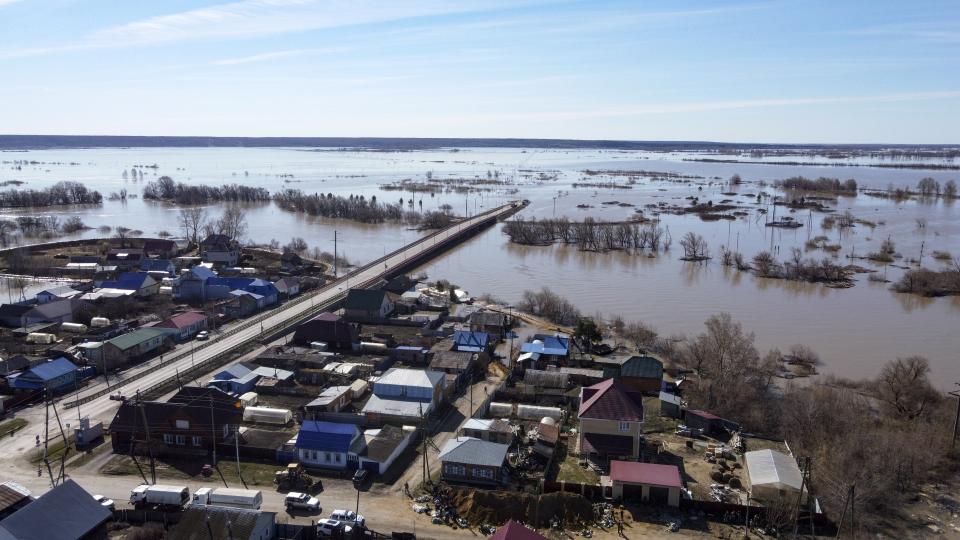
(411, 377)
(53, 369)
(66, 512)
(645, 473)
(326, 436)
(611, 400)
(132, 339)
(471, 451)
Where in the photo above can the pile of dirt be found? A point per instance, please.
(498, 507)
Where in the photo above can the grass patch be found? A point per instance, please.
(571, 471)
(259, 475)
(10, 426)
(55, 450)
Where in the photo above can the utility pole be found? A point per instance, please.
(146, 427)
(213, 431)
(956, 422)
(334, 253)
(236, 442)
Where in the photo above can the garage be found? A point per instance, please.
(649, 483)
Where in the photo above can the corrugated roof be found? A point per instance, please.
(471, 451)
(512, 530)
(220, 522)
(132, 339)
(181, 320)
(611, 400)
(381, 446)
(458, 360)
(396, 407)
(364, 299)
(770, 468)
(66, 512)
(326, 436)
(53, 369)
(411, 377)
(645, 473)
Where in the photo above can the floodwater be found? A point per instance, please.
(854, 330)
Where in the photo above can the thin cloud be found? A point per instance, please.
(7, 2)
(927, 32)
(263, 57)
(705, 106)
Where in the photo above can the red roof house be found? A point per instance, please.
(185, 324)
(646, 482)
(512, 530)
(611, 421)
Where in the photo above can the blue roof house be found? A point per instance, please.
(239, 379)
(162, 266)
(329, 445)
(54, 375)
(545, 344)
(140, 283)
(466, 341)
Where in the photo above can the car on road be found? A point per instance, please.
(329, 527)
(203, 335)
(105, 502)
(302, 501)
(348, 516)
(360, 478)
(118, 397)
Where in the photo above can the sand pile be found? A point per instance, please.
(497, 507)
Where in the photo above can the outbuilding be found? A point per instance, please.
(646, 482)
(772, 475)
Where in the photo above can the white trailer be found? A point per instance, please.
(159, 495)
(75, 328)
(235, 498)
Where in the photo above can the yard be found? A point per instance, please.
(571, 471)
(11, 426)
(254, 474)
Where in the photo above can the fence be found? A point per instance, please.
(594, 492)
(285, 325)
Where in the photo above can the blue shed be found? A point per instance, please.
(466, 341)
(53, 375)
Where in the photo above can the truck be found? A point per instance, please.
(235, 498)
(170, 497)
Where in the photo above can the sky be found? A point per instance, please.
(803, 71)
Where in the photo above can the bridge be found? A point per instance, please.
(196, 358)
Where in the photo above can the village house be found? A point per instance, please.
(329, 445)
(54, 376)
(242, 304)
(462, 365)
(13, 497)
(367, 304)
(291, 262)
(287, 287)
(18, 316)
(66, 512)
(642, 373)
(158, 268)
(410, 355)
(332, 399)
(473, 461)
(160, 248)
(241, 378)
(384, 446)
(140, 284)
(404, 395)
(492, 430)
(60, 292)
(212, 521)
(328, 328)
(547, 348)
(190, 423)
(645, 482)
(185, 325)
(220, 250)
(135, 346)
(489, 322)
(125, 259)
(466, 341)
(611, 421)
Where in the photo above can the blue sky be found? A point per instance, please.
(765, 71)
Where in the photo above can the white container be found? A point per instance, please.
(318, 346)
(234, 498)
(373, 347)
(99, 322)
(73, 327)
(249, 399)
(169, 496)
(248, 271)
(536, 412)
(358, 388)
(267, 415)
(41, 338)
(501, 410)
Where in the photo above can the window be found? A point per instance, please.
(624, 426)
(329, 459)
(197, 441)
(181, 440)
(336, 457)
(456, 470)
(167, 438)
(183, 424)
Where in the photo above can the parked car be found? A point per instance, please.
(328, 527)
(360, 478)
(105, 502)
(295, 500)
(348, 516)
(203, 335)
(118, 396)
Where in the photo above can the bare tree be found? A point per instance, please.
(950, 189)
(903, 385)
(694, 247)
(191, 222)
(122, 233)
(642, 336)
(232, 223)
(928, 186)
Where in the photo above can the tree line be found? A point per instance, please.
(360, 208)
(165, 189)
(587, 235)
(59, 194)
(830, 185)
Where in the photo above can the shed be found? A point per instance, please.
(53, 375)
(707, 422)
(327, 328)
(646, 482)
(465, 341)
(670, 405)
(383, 446)
(66, 512)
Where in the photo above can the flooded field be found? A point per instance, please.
(854, 329)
